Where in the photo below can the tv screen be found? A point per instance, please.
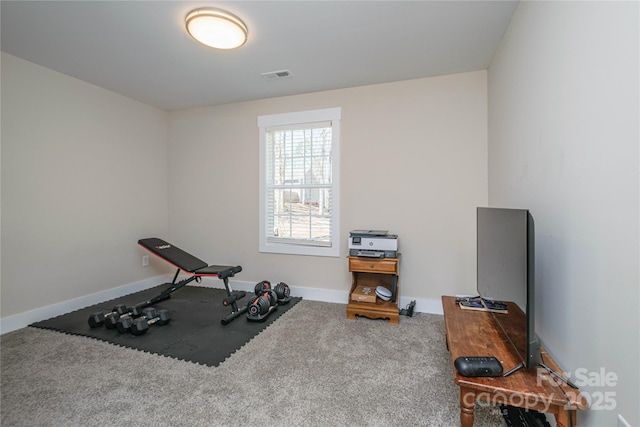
(505, 263)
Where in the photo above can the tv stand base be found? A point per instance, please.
(514, 370)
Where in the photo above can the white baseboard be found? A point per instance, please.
(21, 320)
(622, 422)
(18, 321)
(423, 305)
(313, 294)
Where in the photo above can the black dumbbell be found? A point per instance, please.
(265, 287)
(98, 319)
(265, 284)
(138, 309)
(111, 319)
(270, 294)
(150, 317)
(125, 321)
(258, 306)
(283, 292)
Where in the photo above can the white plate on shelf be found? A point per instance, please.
(383, 293)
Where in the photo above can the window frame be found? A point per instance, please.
(302, 118)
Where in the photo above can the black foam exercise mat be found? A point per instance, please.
(194, 334)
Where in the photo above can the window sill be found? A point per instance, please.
(299, 250)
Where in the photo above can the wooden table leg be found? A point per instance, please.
(566, 417)
(467, 406)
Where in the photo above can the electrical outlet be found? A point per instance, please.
(145, 260)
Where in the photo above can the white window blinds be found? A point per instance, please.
(298, 183)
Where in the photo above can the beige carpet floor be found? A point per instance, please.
(312, 367)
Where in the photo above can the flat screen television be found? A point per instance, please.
(506, 255)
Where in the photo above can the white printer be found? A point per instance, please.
(373, 244)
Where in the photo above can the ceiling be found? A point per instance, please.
(141, 49)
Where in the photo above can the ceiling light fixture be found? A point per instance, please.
(216, 28)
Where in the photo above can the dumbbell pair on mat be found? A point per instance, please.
(267, 296)
(135, 320)
(278, 294)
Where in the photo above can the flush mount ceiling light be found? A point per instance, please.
(216, 28)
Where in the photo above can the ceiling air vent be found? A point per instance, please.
(275, 75)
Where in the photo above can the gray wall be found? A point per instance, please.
(413, 161)
(86, 173)
(83, 178)
(563, 142)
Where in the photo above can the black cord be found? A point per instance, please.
(408, 311)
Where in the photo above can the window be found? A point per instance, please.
(299, 182)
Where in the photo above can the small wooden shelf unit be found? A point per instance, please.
(374, 272)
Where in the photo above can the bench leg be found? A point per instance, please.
(235, 311)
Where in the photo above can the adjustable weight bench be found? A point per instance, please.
(197, 269)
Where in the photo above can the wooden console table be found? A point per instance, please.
(374, 272)
(474, 333)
